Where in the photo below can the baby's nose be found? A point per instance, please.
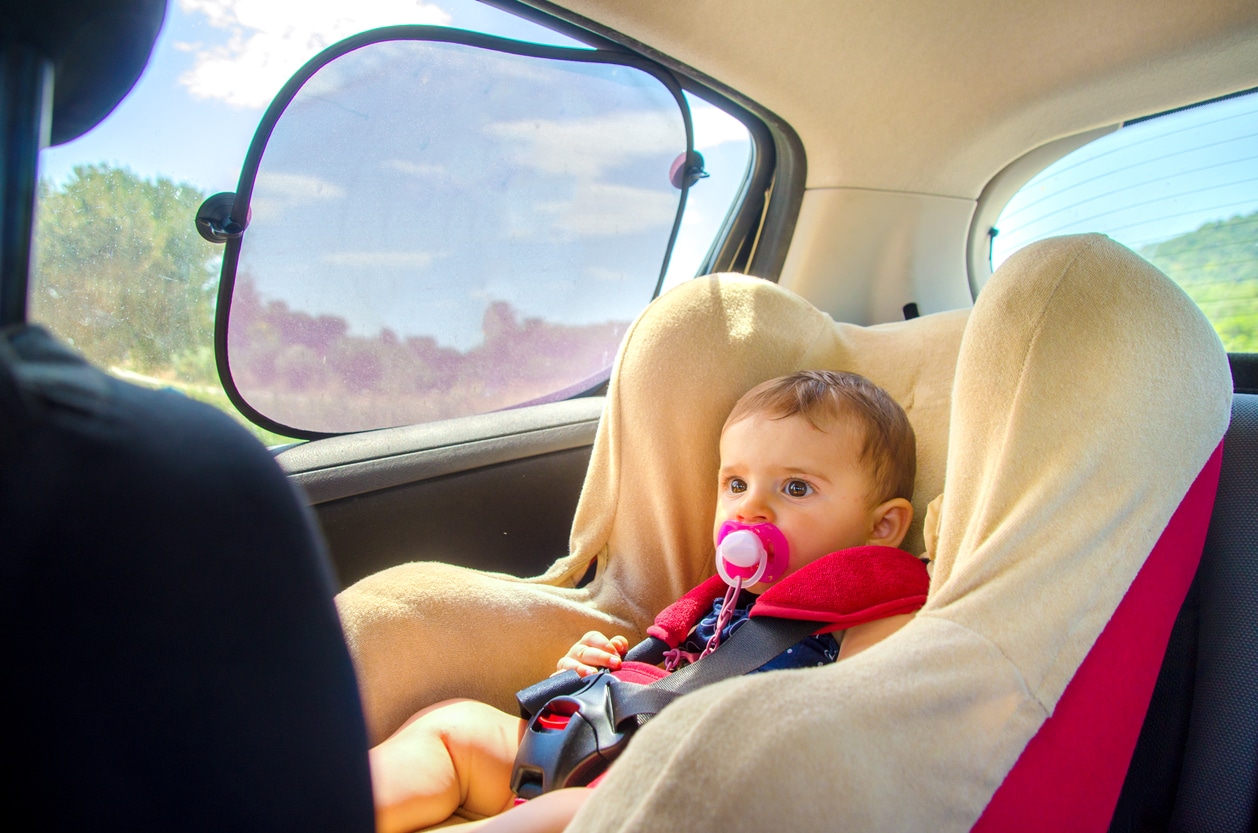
(755, 509)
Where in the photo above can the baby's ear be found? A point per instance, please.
(890, 522)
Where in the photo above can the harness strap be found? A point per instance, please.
(754, 643)
(845, 588)
(650, 650)
(577, 726)
(532, 699)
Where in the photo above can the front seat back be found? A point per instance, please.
(173, 657)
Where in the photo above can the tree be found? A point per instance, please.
(121, 274)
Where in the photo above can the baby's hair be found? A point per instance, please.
(826, 396)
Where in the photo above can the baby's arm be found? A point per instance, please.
(594, 652)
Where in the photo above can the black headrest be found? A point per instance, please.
(99, 48)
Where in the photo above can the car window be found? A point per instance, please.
(443, 225)
(119, 271)
(1181, 189)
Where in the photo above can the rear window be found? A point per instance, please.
(1180, 189)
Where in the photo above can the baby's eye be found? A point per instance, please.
(798, 488)
(737, 485)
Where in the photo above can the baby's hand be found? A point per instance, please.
(594, 652)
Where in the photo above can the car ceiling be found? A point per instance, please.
(937, 96)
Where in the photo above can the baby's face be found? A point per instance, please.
(808, 483)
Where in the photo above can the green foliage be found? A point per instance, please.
(121, 274)
(1217, 265)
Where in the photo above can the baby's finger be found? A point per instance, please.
(599, 657)
(594, 639)
(594, 658)
(570, 664)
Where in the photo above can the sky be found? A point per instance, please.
(218, 63)
(216, 66)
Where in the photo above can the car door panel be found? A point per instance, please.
(494, 491)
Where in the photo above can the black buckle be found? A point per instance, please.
(570, 741)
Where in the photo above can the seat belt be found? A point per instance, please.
(755, 642)
(576, 726)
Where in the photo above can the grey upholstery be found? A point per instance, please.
(1195, 767)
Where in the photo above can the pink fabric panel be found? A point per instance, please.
(1071, 773)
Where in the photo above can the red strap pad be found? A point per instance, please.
(842, 589)
(849, 587)
(675, 621)
(639, 672)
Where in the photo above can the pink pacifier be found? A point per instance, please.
(745, 554)
(749, 553)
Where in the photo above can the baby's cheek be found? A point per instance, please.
(720, 518)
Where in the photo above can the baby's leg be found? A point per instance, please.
(549, 813)
(454, 754)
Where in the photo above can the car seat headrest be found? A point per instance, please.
(98, 49)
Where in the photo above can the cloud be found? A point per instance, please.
(586, 147)
(713, 126)
(267, 42)
(601, 274)
(419, 169)
(300, 188)
(379, 260)
(601, 208)
(280, 192)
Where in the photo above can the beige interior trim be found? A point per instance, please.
(862, 255)
(1002, 188)
(938, 97)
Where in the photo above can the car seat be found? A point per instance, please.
(173, 656)
(1079, 407)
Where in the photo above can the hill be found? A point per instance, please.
(1217, 265)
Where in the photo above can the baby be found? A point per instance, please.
(826, 457)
